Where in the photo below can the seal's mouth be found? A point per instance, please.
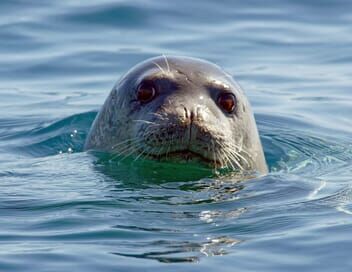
(184, 156)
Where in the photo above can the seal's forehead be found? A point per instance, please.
(188, 65)
(191, 68)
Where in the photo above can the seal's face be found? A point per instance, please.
(183, 109)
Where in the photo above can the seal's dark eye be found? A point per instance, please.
(227, 101)
(146, 92)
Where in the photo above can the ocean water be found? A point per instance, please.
(62, 209)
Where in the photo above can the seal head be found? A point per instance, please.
(179, 108)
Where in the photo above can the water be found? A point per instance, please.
(63, 209)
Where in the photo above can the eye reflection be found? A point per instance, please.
(146, 92)
(227, 101)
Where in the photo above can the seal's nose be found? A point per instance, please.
(189, 114)
(186, 112)
(194, 114)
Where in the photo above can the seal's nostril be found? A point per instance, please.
(186, 112)
(192, 116)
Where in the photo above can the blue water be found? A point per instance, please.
(62, 209)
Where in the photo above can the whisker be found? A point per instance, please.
(148, 153)
(123, 150)
(161, 69)
(214, 154)
(234, 159)
(236, 152)
(125, 144)
(239, 148)
(128, 141)
(143, 150)
(167, 63)
(133, 150)
(145, 121)
(228, 161)
(160, 116)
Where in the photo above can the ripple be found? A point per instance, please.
(62, 208)
(182, 252)
(122, 16)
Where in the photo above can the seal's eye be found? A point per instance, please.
(227, 101)
(146, 92)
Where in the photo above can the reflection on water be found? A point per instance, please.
(185, 252)
(161, 189)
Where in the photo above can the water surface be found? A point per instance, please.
(64, 209)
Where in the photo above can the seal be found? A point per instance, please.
(183, 109)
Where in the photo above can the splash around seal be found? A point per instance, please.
(180, 109)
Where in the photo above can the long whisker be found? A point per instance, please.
(168, 149)
(123, 150)
(238, 155)
(228, 161)
(133, 150)
(146, 153)
(239, 148)
(160, 116)
(146, 121)
(234, 150)
(124, 142)
(214, 154)
(130, 143)
(142, 148)
(167, 63)
(232, 155)
(235, 160)
(160, 68)
(143, 151)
